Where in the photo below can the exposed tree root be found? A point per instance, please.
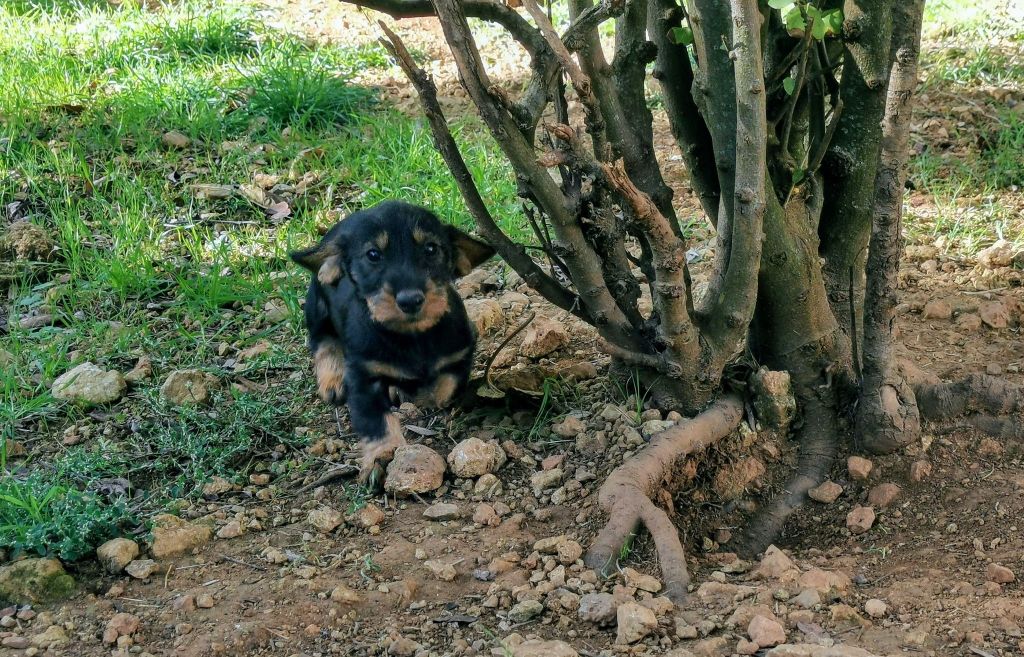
(978, 393)
(626, 494)
(819, 438)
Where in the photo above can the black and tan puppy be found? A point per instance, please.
(385, 324)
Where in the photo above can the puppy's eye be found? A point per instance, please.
(373, 255)
(432, 249)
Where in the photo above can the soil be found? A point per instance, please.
(369, 591)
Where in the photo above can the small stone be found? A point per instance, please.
(441, 570)
(883, 495)
(416, 469)
(660, 605)
(545, 479)
(175, 139)
(999, 574)
(205, 601)
(232, 529)
(598, 608)
(541, 648)
(88, 384)
(117, 553)
(808, 599)
(824, 581)
(570, 427)
(141, 568)
(994, 314)
(442, 511)
(325, 519)
(641, 581)
(733, 480)
(343, 594)
(486, 314)
(370, 515)
(53, 637)
(188, 387)
(744, 647)
(552, 462)
(473, 457)
(488, 486)
(35, 581)
(525, 611)
(845, 614)
(1000, 254)
(543, 336)
(403, 647)
(122, 625)
(634, 622)
(937, 309)
(14, 642)
(920, 470)
(143, 370)
(775, 563)
(860, 519)
(968, 322)
(261, 479)
(569, 551)
(766, 632)
(484, 514)
(859, 467)
(875, 608)
(216, 486)
(827, 492)
(773, 398)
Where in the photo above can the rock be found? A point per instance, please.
(715, 647)
(486, 314)
(744, 647)
(568, 552)
(827, 492)
(540, 648)
(545, 479)
(660, 605)
(875, 608)
(205, 601)
(592, 444)
(732, 480)
(937, 309)
(484, 514)
(141, 568)
(1000, 254)
(775, 563)
(231, 529)
(859, 467)
(53, 637)
(860, 519)
(641, 581)
(714, 593)
(175, 139)
(35, 581)
(188, 387)
(570, 427)
(634, 622)
(173, 536)
(824, 581)
(525, 611)
(15, 642)
(325, 519)
(444, 511)
(543, 336)
(473, 457)
(920, 470)
(403, 647)
(766, 632)
(441, 570)
(994, 315)
(999, 574)
(883, 495)
(88, 384)
(552, 462)
(816, 650)
(416, 469)
(808, 599)
(652, 427)
(121, 624)
(115, 554)
(26, 241)
(847, 615)
(488, 486)
(598, 608)
(773, 401)
(343, 594)
(968, 322)
(216, 486)
(143, 370)
(370, 515)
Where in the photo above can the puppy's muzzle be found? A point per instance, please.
(410, 301)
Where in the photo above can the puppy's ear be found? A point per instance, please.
(324, 260)
(469, 251)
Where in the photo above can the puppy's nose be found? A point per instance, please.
(410, 301)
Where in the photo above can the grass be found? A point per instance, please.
(148, 266)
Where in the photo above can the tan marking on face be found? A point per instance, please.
(439, 394)
(329, 364)
(385, 311)
(381, 241)
(419, 235)
(383, 450)
(330, 271)
(386, 370)
(451, 359)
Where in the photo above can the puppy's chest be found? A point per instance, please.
(415, 365)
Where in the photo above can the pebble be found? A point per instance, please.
(766, 632)
(826, 492)
(141, 568)
(525, 611)
(875, 608)
(999, 574)
(859, 467)
(634, 622)
(860, 519)
(442, 511)
(883, 495)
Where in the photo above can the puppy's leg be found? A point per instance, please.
(440, 393)
(329, 363)
(370, 411)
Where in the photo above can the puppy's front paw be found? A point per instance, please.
(333, 393)
(378, 453)
(330, 374)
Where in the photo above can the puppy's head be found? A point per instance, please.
(400, 259)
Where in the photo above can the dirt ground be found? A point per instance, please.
(388, 580)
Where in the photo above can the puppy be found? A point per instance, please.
(385, 324)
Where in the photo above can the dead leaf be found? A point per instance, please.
(420, 431)
(213, 191)
(255, 194)
(279, 211)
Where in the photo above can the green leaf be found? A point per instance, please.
(818, 28)
(798, 175)
(794, 20)
(789, 84)
(682, 36)
(834, 20)
(779, 4)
